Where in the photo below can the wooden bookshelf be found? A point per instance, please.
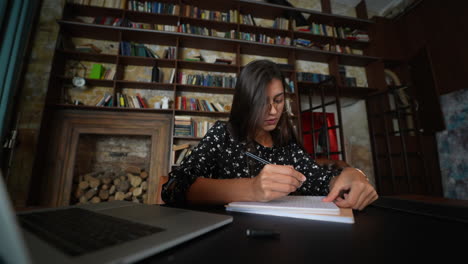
(72, 27)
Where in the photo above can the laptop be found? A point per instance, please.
(67, 235)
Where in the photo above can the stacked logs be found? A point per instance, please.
(96, 187)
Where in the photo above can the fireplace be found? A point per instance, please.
(104, 156)
(111, 167)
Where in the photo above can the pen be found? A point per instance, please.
(257, 158)
(261, 233)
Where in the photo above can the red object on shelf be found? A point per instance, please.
(320, 138)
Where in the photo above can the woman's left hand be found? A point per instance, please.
(358, 191)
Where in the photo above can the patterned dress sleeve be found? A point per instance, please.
(200, 163)
(318, 178)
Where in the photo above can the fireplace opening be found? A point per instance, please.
(111, 167)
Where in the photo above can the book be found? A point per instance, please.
(305, 207)
(223, 61)
(181, 156)
(171, 79)
(89, 47)
(179, 147)
(141, 100)
(96, 71)
(155, 74)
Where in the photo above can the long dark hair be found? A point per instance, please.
(248, 105)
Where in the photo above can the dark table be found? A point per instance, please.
(388, 231)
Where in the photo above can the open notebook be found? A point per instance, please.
(306, 207)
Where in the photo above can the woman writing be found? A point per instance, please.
(218, 171)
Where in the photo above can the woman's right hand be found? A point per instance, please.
(275, 181)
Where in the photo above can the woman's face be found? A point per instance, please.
(274, 105)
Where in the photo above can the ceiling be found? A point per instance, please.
(386, 8)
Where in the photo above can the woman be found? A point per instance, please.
(218, 171)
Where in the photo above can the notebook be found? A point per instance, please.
(111, 232)
(305, 207)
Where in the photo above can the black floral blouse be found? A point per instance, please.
(220, 156)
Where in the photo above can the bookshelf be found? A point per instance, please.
(180, 28)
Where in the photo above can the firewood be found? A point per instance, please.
(87, 176)
(128, 196)
(90, 193)
(123, 186)
(112, 189)
(83, 185)
(133, 170)
(144, 185)
(96, 199)
(108, 174)
(93, 182)
(130, 176)
(119, 196)
(83, 199)
(135, 181)
(111, 198)
(106, 180)
(104, 194)
(135, 200)
(105, 187)
(123, 178)
(78, 193)
(144, 175)
(117, 182)
(137, 191)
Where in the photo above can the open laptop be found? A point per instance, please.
(146, 230)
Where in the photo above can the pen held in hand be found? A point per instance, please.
(257, 158)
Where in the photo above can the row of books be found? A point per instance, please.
(336, 32)
(232, 34)
(109, 74)
(158, 76)
(311, 77)
(136, 49)
(125, 22)
(290, 85)
(101, 3)
(122, 100)
(216, 80)
(196, 12)
(204, 31)
(231, 17)
(185, 126)
(154, 7)
(195, 104)
(262, 38)
(320, 46)
(281, 23)
(247, 19)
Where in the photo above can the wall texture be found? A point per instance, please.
(452, 144)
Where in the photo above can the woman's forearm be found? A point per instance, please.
(220, 191)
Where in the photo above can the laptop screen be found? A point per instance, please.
(12, 246)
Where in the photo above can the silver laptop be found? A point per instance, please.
(146, 230)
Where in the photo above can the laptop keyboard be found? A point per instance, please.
(76, 231)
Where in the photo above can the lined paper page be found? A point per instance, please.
(304, 204)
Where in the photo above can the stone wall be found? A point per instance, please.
(32, 98)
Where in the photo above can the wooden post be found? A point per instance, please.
(361, 10)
